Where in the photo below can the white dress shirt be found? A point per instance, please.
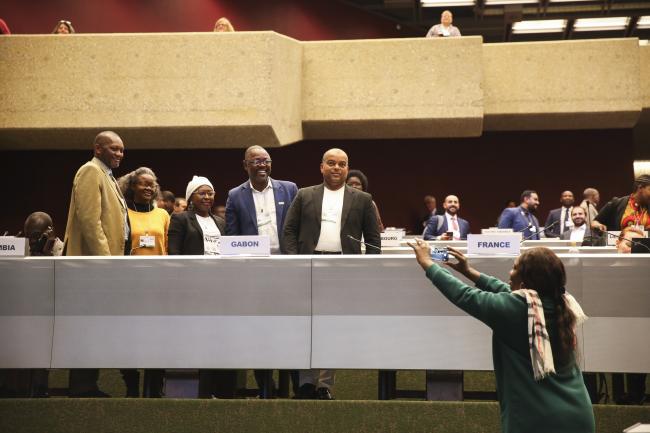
(330, 226)
(450, 225)
(578, 234)
(568, 225)
(267, 223)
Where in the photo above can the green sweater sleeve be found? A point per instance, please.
(491, 284)
(498, 308)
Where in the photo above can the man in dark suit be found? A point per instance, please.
(321, 220)
(439, 226)
(580, 229)
(560, 216)
(259, 207)
(521, 219)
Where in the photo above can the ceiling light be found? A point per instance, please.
(539, 26)
(445, 3)
(508, 2)
(643, 23)
(599, 24)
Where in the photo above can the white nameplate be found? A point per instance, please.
(391, 238)
(495, 230)
(495, 244)
(245, 246)
(13, 246)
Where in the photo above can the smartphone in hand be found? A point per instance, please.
(440, 254)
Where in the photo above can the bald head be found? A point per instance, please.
(451, 204)
(335, 151)
(253, 149)
(334, 168)
(109, 148)
(37, 222)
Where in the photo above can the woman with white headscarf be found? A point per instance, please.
(196, 231)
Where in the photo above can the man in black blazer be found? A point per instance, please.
(307, 216)
(321, 220)
(560, 216)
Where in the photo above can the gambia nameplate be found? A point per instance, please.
(13, 246)
(245, 246)
(494, 244)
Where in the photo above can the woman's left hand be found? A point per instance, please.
(422, 253)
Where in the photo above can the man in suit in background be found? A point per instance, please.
(580, 229)
(98, 226)
(321, 220)
(259, 207)
(439, 225)
(560, 216)
(521, 219)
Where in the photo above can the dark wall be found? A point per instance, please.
(303, 20)
(484, 172)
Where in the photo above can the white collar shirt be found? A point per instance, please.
(578, 234)
(330, 227)
(450, 225)
(267, 221)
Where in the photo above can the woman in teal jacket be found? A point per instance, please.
(539, 384)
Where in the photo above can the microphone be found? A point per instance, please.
(542, 230)
(365, 243)
(614, 235)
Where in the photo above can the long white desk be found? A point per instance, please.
(288, 312)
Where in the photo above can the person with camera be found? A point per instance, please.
(534, 341)
(39, 230)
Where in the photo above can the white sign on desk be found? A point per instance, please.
(391, 238)
(13, 246)
(495, 230)
(494, 244)
(245, 246)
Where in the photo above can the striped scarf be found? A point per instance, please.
(541, 354)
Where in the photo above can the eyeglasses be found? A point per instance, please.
(203, 194)
(259, 162)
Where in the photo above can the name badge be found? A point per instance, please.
(245, 246)
(13, 246)
(147, 241)
(391, 238)
(497, 244)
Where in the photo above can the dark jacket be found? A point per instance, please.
(240, 208)
(612, 213)
(185, 236)
(358, 218)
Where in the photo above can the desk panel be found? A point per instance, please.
(190, 312)
(26, 312)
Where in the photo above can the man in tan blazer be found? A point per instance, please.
(97, 216)
(97, 226)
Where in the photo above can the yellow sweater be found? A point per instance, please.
(154, 223)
